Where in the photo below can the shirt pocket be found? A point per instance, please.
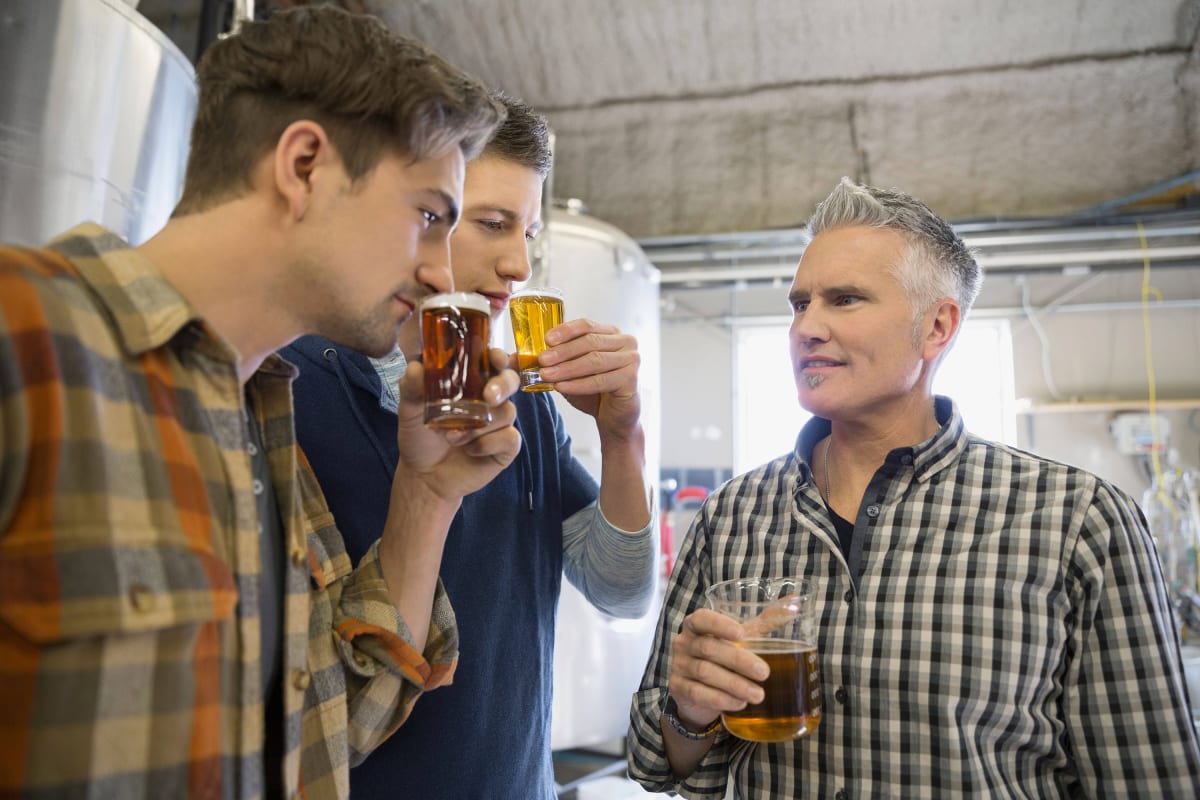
(75, 585)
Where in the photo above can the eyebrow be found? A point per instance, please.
(828, 291)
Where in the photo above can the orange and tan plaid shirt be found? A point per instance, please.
(129, 555)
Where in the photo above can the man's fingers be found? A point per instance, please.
(587, 345)
(701, 701)
(706, 622)
(575, 328)
(502, 445)
(705, 654)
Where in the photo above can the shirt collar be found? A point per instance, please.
(146, 310)
(926, 458)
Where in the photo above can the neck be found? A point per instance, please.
(226, 262)
(855, 449)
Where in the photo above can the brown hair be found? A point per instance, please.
(373, 91)
(523, 137)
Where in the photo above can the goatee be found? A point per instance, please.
(813, 381)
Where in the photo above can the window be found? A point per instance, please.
(977, 373)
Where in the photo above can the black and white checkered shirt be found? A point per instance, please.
(999, 628)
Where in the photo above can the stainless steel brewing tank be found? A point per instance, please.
(96, 106)
(599, 660)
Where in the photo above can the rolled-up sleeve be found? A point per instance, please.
(612, 568)
(385, 673)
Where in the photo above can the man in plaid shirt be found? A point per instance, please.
(990, 623)
(178, 615)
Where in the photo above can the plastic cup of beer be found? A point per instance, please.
(455, 332)
(533, 311)
(779, 626)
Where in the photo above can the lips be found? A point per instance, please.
(404, 301)
(818, 362)
(498, 300)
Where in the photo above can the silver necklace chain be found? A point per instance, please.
(828, 447)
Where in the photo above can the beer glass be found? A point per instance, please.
(778, 623)
(533, 312)
(455, 330)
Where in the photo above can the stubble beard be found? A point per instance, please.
(373, 335)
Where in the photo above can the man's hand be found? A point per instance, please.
(595, 367)
(436, 469)
(709, 673)
(452, 464)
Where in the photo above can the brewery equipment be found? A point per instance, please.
(96, 106)
(598, 660)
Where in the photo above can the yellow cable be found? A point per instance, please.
(1147, 290)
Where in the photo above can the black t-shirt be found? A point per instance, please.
(845, 531)
(272, 556)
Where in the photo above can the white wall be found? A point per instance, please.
(697, 395)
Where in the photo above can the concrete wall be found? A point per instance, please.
(696, 116)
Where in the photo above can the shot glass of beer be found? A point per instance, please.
(779, 625)
(455, 331)
(533, 311)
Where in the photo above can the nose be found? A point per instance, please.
(434, 269)
(513, 264)
(809, 325)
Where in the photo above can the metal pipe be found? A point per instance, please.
(766, 273)
(209, 27)
(243, 11)
(997, 312)
(700, 254)
(964, 228)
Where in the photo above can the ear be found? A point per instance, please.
(302, 150)
(941, 323)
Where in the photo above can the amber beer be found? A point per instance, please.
(455, 330)
(791, 706)
(533, 312)
(778, 624)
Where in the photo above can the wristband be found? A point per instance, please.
(670, 714)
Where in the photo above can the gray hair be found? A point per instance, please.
(936, 264)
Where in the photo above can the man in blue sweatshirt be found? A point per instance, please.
(488, 734)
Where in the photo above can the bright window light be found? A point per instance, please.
(977, 374)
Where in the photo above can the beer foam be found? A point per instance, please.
(464, 300)
(539, 291)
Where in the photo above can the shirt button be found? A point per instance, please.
(299, 556)
(258, 486)
(252, 448)
(840, 695)
(141, 598)
(841, 795)
(848, 596)
(872, 511)
(361, 660)
(906, 460)
(300, 679)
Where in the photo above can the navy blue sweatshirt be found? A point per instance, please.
(487, 735)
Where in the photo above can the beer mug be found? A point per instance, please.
(779, 626)
(455, 331)
(533, 312)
